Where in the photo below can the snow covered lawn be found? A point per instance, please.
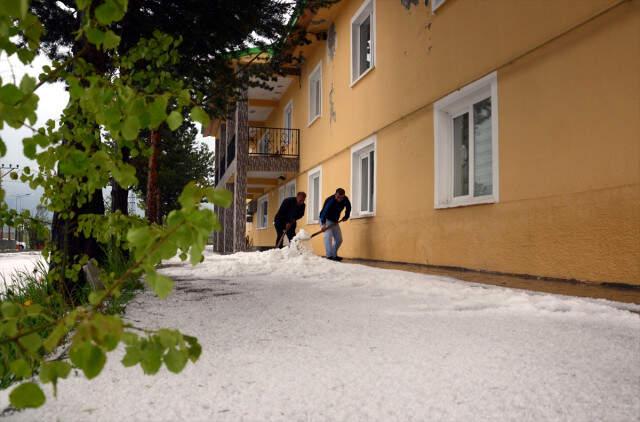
(10, 262)
(293, 337)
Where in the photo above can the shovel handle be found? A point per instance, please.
(325, 229)
(284, 233)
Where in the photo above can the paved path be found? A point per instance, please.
(297, 338)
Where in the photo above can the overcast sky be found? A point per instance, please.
(53, 99)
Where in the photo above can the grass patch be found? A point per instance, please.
(31, 287)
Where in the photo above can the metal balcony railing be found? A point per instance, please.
(274, 141)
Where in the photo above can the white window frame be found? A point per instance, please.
(444, 111)
(259, 223)
(316, 74)
(282, 191)
(311, 194)
(435, 4)
(368, 8)
(357, 152)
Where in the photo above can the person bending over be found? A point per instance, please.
(291, 210)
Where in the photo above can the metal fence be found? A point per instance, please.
(274, 141)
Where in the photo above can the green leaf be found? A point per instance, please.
(95, 36)
(125, 175)
(168, 338)
(174, 120)
(157, 112)
(199, 115)
(130, 339)
(89, 358)
(151, 359)
(95, 298)
(109, 12)
(15, 8)
(130, 128)
(10, 310)
(161, 284)
(10, 94)
(27, 84)
(28, 394)
(194, 348)
(111, 40)
(29, 148)
(138, 235)
(20, 368)
(175, 360)
(132, 356)
(54, 338)
(83, 4)
(220, 197)
(52, 371)
(31, 342)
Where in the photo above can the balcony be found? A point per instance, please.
(271, 153)
(270, 141)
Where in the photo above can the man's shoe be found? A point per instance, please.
(337, 258)
(331, 258)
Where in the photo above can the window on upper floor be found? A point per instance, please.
(287, 123)
(315, 93)
(288, 115)
(315, 195)
(263, 212)
(466, 145)
(363, 40)
(286, 191)
(363, 177)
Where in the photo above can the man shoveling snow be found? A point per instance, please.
(291, 210)
(330, 219)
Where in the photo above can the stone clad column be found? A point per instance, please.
(242, 158)
(228, 225)
(220, 144)
(228, 212)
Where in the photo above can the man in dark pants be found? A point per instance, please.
(330, 219)
(291, 209)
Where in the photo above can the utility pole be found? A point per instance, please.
(4, 170)
(15, 229)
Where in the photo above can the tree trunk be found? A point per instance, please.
(74, 245)
(119, 194)
(153, 191)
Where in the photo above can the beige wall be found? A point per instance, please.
(569, 136)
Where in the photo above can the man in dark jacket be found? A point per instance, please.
(291, 209)
(330, 219)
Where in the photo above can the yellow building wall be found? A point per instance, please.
(569, 136)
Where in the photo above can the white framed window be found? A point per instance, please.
(363, 177)
(263, 212)
(466, 145)
(315, 93)
(435, 4)
(286, 191)
(363, 41)
(287, 122)
(315, 195)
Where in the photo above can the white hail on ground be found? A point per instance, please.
(290, 336)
